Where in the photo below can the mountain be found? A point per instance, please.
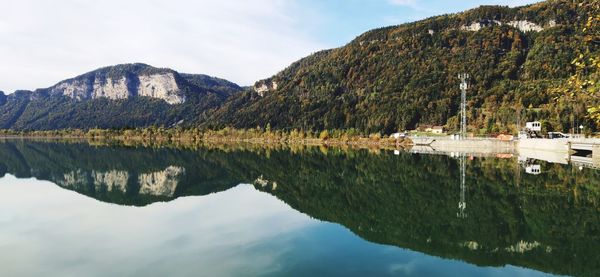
(387, 79)
(127, 95)
(399, 77)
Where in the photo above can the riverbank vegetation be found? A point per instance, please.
(162, 135)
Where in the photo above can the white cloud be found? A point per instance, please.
(43, 41)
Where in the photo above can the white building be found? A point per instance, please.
(438, 129)
(533, 169)
(535, 126)
(398, 135)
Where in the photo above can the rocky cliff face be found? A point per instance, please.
(162, 86)
(521, 25)
(265, 86)
(122, 82)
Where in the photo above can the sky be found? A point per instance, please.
(45, 41)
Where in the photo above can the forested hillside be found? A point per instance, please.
(399, 77)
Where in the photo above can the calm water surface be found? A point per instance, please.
(75, 209)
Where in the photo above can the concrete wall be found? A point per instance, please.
(479, 145)
(553, 145)
(596, 155)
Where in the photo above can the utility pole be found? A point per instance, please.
(519, 110)
(464, 78)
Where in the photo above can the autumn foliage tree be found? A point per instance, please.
(585, 80)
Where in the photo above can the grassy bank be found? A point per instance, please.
(179, 136)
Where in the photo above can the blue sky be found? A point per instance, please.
(43, 41)
(340, 23)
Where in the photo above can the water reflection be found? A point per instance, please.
(462, 205)
(48, 232)
(548, 222)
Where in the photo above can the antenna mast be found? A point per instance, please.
(464, 78)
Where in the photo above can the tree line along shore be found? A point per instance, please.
(161, 135)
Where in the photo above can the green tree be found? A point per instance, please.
(585, 80)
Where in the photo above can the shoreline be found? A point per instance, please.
(362, 143)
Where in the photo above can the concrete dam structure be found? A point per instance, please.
(469, 146)
(580, 151)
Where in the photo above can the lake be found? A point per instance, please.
(95, 209)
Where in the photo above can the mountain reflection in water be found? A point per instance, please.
(548, 222)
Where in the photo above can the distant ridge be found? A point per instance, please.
(126, 95)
